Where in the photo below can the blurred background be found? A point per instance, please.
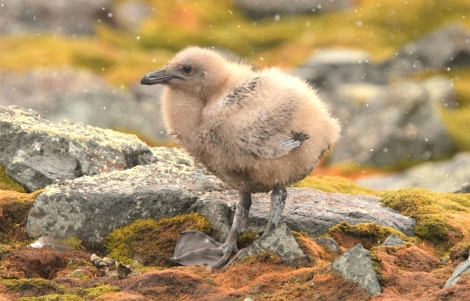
(396, 73)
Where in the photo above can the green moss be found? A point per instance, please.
(52, 297)
(375, 234)
(38, 285)
(150, 242)
(432, 227)
(246, 239)
(376, 264)
(334, 184)
(7, 183)
(434, 212)
(14, 208)
(460, 251)
(415, 202)
(99, 290)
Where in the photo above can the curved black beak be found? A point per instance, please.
(158, 77)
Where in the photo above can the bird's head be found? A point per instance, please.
(195, 70)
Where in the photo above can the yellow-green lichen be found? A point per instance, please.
(334, 184)
(149, 242)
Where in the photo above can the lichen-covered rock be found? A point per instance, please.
(79, 95)
(90, 207)
(60, 17)
(356, 265)
(329, 68)
(36, 152)
(280, 242)
(443, 48)
(389, 125)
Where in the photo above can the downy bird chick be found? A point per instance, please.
(258, 131)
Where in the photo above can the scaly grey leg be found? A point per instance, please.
(241, 216)
(278, 200)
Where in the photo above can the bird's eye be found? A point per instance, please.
(187, 69)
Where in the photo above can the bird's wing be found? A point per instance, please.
(268, 135)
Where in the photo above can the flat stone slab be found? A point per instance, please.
(90, 207)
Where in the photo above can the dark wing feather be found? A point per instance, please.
(268, 136)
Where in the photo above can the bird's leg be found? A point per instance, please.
(278, 200)
(241, 216)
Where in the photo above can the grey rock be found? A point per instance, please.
(90, 207)
(331, 67)
(393, 240)
(356, 265)
(280, 242)
(329, 243)
(81, 96)
(387, 125)
(446, 47)
(36, 152)
(269, 8)
(60, 17)
(101, 262)
(462, 268)
(444, 176)
(464, 189)
(129, 15)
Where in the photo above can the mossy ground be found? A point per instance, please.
(14, 207)
(151, 242)
(7, 183)
(441, 218)
(334, 184)
(367, 234)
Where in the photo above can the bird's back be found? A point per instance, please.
(269, 130)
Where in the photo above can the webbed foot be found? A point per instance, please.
(197, 248)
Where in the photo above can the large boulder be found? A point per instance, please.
(329, 68)
(444, 48)
(81, 96)
(61, 17)
(37, 152)
(445, 176)
(389, 125)
(92, 206)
